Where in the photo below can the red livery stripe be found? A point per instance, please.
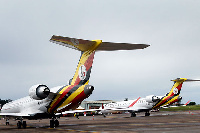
(61, 96)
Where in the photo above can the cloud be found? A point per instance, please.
(27, 57)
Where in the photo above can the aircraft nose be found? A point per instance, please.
(88, 89)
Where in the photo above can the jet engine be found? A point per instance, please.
(155, 98)
(152, 98)
(39, 92)
(179, 98)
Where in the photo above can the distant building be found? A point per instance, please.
(94, 104)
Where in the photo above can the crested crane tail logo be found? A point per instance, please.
(82, 72)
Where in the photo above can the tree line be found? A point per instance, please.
(2, 102)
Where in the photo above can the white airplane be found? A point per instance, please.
(44, 102)
(173, 106)
(187, 103)
(148, 103)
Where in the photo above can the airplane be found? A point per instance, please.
(45, 102)
(187, 103)
(148, 103)
(169, 106)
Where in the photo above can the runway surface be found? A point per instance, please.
(168, 122)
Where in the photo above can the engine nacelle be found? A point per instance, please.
(156, 98)
(39, 92)
(179, 98)
(152, 98)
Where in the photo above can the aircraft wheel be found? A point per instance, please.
(52, 123)
(19, 125)
(56, 122)
(24, 124)
(147, 114)
(133, 114)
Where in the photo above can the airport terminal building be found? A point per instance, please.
(94, 104)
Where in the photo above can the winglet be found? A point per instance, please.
(187, 103)
(134, 102)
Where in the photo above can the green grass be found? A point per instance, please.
(182, 108)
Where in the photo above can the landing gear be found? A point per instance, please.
(7, 122)
(24, 124)
(21, 124)
(133, 114)
(147, 114)
(54, 123)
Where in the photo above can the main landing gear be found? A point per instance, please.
(21, 124)
(147, 114)
(133, 114)
(54, 123)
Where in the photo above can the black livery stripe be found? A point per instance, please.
(55, 96)
(65, 97)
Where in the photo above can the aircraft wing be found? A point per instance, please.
(14, 114)
(78, 111)
(132, 109)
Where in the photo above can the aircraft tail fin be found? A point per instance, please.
(176, 88)
(173, 95)
(84, 45)
(88, 49)
(178, 85)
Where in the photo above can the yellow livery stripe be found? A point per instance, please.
(71, 97)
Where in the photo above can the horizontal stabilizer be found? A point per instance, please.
(111, 46)
(184, 80)
(78, 44)
(83, 45)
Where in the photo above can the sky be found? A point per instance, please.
(172, 28)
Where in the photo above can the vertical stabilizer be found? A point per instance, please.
(84, 67)
(173, 95)
(88, 49)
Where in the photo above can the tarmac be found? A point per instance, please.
(157, 122)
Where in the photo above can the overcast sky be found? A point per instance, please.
(172, 28)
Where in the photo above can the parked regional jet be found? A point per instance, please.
(149, 102)
(171, 106)
(44, 102)
(186, 103)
